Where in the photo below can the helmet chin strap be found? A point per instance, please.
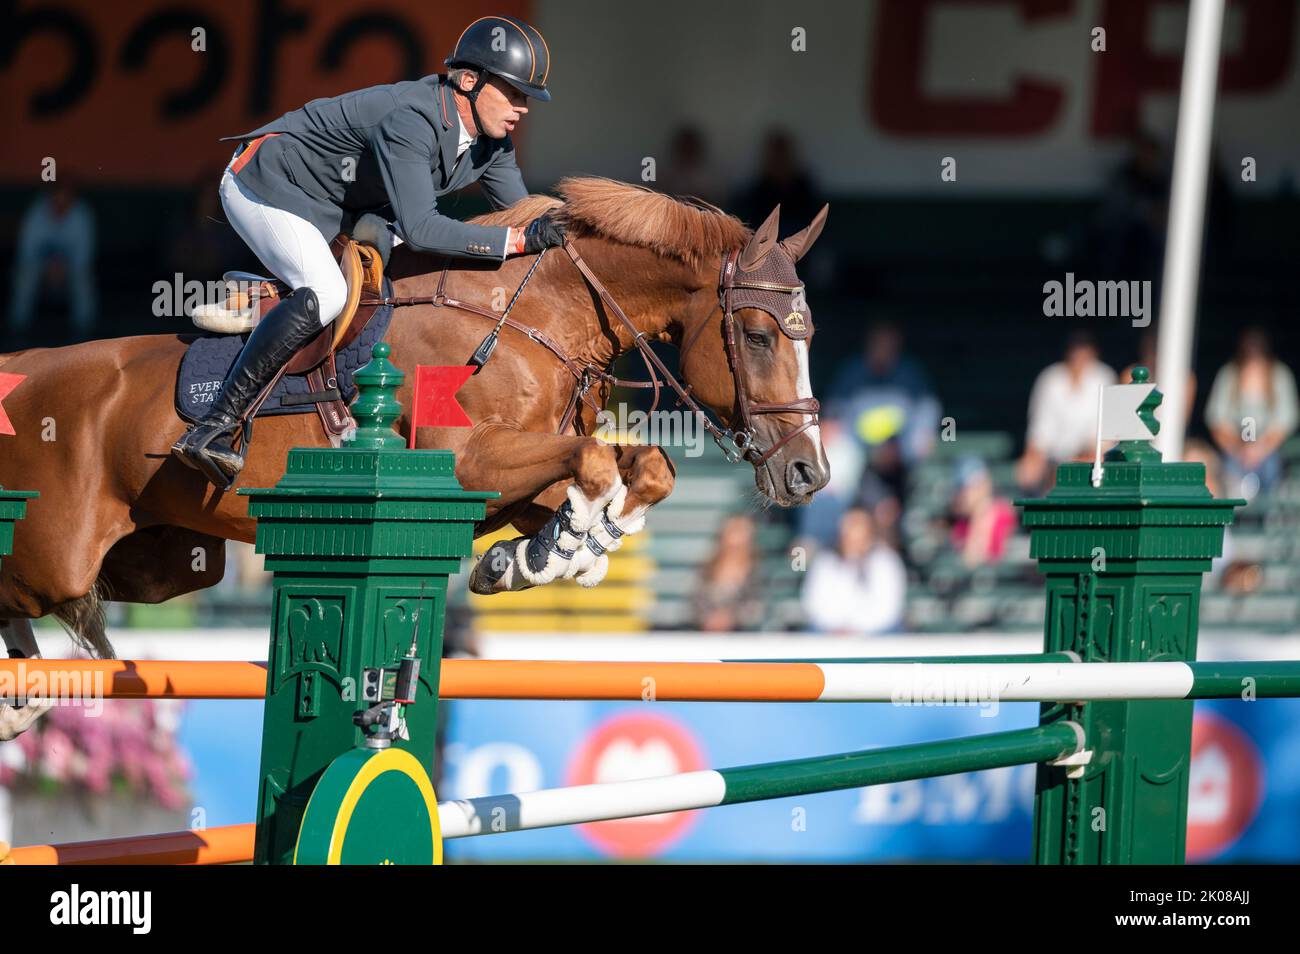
(472, 96)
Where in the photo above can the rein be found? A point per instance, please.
(735, 444)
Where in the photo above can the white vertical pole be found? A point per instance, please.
(1186, 220)
(1096, 461)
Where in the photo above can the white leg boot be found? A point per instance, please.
(606, 536)
(549, 554)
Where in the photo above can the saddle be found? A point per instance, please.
(250, 296)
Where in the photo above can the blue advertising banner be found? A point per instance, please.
(1244, 805)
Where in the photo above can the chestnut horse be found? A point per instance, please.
(118, 518)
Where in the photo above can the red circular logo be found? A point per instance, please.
(1226, 784)
(628, 747)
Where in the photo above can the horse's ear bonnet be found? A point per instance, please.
(762, 278)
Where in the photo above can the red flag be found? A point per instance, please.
(435, 402)
(7, 383)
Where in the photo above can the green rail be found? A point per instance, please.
(751, 783)
(1272, 678)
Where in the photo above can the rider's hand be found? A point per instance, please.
(373, 230)
(541, 233)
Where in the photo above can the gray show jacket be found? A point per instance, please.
(388, 149)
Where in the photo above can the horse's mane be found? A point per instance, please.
(688, 230)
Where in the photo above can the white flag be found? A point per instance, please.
(1119, 417)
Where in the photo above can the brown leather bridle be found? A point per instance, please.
(738, 442)
(745, 408)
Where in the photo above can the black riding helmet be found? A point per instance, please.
(508, 48)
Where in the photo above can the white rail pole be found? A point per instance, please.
(1186, 220)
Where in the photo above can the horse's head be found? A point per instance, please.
(748, 362)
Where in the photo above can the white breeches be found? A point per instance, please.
(290, 247)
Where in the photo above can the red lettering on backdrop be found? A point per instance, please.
(1130, 70)
(899, 105)
(117, 92)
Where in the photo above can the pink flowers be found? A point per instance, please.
(127, 744)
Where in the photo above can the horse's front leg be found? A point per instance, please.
(521, 465)
(647, 478)
(587, 495)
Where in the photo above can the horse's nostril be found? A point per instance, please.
(800, 477)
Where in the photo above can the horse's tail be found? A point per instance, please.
(85, 620)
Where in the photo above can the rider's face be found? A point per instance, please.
(500, 107)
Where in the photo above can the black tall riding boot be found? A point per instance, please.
(276, 338)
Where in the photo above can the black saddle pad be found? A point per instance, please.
(210, 357)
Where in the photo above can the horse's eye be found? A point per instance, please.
(755, 339)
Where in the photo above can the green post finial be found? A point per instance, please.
(377, 407)
(1141, 450)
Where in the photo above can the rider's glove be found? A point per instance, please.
(543, 232)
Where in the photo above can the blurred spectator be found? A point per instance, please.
(1147, 351)
(782, 180)
(885, 400)
(818, 522)
(860, 586)
(689, 171)
(56, 253)
(982, 522)
(1127, 236)
(1252, 410)
(883, 365)
(880, 492)
(204, 245)
(728, 598)
(1063, 412)
(1242, 577)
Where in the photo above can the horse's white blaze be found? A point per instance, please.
(803, 389)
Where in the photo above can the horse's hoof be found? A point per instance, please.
(495, 571)
(15, 720)
(595, 573)
(583, 560)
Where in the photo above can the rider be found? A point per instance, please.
(297, 182)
